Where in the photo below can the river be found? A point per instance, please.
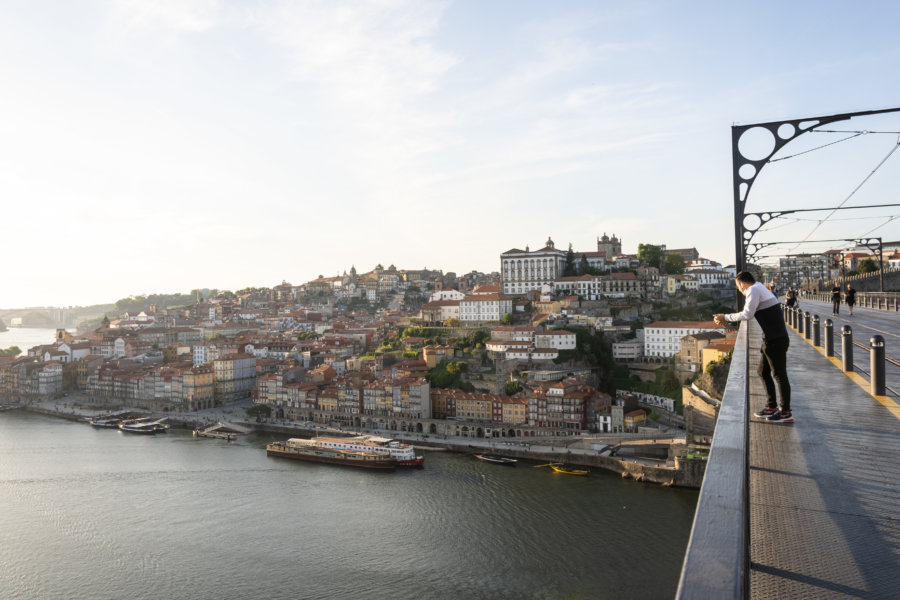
(95, 513)
(26, 337)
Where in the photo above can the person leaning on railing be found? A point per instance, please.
(762, 305)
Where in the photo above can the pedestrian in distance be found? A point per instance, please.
(791, 297)
(762, 305)
(836, 300)
(850, 298)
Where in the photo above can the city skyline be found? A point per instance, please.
(160, 147)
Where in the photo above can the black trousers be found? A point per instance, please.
(773, 370)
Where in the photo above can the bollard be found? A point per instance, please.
(806, 325)
(847, 348)
(815, 328)
(798, 325)
(876, 364)
(829, 338)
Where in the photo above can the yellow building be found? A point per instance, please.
(715, 351)
(514, 411)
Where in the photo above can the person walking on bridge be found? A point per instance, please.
(835, 300)
(762, 305)
(850, 298)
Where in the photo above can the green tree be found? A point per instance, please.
(867, 265)
(512, 388)
(674, 264)
(569, 269)
(259, 410)
(11, 351)
(584, 266)
(649, 254)
(507, 319)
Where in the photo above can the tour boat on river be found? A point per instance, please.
(313, 451)
(404, 454)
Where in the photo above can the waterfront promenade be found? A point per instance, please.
(816, 515)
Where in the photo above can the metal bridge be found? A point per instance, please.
(809, 509)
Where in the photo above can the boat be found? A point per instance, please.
(313, 451)
(144, 425)
(132, 427)
(559, 468)
(404, 454)
(109, 423)
(497, 459)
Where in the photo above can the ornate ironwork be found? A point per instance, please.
(745, 170)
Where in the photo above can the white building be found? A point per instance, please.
(556, 338)
(628, 351)
(522, 271)
(662, 339)
(438, 295)
(484, 308)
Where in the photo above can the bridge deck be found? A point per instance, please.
(824, 490)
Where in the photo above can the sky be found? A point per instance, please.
(162, 146)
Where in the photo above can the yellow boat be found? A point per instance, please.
(568, 470)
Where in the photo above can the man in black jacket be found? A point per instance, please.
(762, 305)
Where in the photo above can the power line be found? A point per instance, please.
(819, 147)
(856, 189)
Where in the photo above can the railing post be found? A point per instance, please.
(799, 321)
(815, 328)
(876, 360)
(806, 323)
(829, 338)
(847, 348)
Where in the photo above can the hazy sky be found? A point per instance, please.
(158, 146)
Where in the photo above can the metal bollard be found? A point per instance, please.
(847, 348)
(829, 338)
(806, 325)
(876, 364)
(815, 333)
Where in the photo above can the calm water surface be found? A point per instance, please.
(91, 513)
(26, 337)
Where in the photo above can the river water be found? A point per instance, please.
(26, 337)
(95, 513)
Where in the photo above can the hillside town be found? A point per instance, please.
(474, 355)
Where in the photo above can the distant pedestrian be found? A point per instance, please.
(791, 297)
(835, 300)
(762, 305)
(850, 297)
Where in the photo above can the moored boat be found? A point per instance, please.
(497, 459)
(568, 470)
(109, 423)
(312, 451)
(404, 454)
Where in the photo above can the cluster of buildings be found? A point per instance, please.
(306, 351)
(811, 271)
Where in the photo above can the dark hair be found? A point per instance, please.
(746, 277)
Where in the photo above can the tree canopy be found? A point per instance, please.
(674, 264)
(867, 265)
(650, 254)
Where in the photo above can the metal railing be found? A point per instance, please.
(717, 561)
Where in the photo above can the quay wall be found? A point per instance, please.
(686, 473)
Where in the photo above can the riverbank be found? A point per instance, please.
(671, 469)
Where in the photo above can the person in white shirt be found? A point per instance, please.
(762, 305)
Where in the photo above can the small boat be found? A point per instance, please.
(144, 428)
(559, 468)
(497, 459)
(110, 423)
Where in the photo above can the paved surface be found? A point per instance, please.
(864, 323)
(824, 490)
